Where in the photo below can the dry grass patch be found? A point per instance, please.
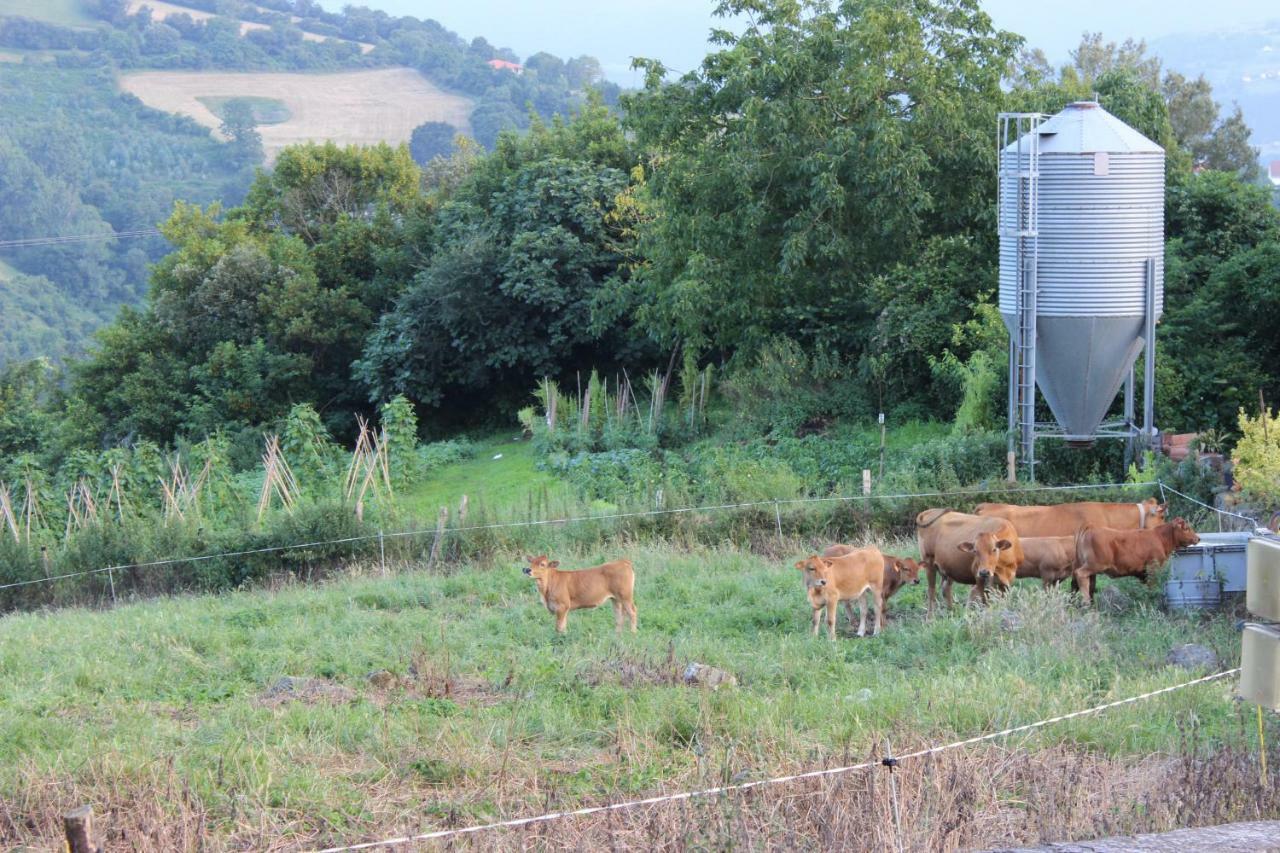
(348, 108)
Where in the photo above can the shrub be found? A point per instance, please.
(1257, 457)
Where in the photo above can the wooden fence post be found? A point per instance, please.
(435, 546)
(79, 828)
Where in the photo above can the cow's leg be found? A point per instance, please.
(832, 609)
(631, 611)
(879, 601)
(1084, 580)
(817, 618)
(562, 618)
(848, 609)
(862, 611)
(933, 574)
(619, 615)
(947, 583)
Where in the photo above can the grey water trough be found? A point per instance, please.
(1200, 574)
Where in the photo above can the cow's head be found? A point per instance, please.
(539, 567)
(985, 548)
(1183, 535)
(908, 569)
(1155, 514)
(817, 571)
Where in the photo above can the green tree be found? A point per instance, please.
(818, 149)
(241, 128)
(430, 140)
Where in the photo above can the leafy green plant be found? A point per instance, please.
(1257, 456)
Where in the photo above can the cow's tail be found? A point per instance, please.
(1081, 533)
(940, 513)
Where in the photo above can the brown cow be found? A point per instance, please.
(1126, 553)
(856, 575)
(1066, 519)
(1050, 558)
(562, 591)
(898, 572)
(967, 549)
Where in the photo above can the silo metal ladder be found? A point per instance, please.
(1020, 173)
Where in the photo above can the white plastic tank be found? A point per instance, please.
(1101, 218)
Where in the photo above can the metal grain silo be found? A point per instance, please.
(1081, 266)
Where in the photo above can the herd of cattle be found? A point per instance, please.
(992, 546)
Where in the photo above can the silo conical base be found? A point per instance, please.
(1081, 362)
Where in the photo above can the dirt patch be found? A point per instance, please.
(349, 108)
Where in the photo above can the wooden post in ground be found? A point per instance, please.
(79, 827)
(1012, 463)
(435, 546)
(866, 481)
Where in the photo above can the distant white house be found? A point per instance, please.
(1274, 172)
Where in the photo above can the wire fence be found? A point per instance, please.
(889, 762)
(404, 534)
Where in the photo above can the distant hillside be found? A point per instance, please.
(110, 112)
(1243, 65)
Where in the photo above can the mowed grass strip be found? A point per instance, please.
(488, 713)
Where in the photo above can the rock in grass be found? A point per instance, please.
(1193, 656)
(1112, 599)
(290, 688)
(701, 675)
(382, 679)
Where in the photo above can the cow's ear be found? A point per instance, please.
(1003, 545)
(966, 546)
(528, 559)
(800, 565)
(826, 564)
(554, 564)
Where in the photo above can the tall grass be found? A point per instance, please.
(168, 716)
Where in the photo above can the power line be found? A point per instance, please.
(29, 242)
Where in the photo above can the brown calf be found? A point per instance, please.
(1124, 553)
(898, 572)
(1050, 558)
(967, 549)
(830, 580)
(562, 591)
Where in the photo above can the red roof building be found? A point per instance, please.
(503, 65)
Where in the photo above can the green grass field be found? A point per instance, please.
(504, 486)
(171, 718)
(70, 13)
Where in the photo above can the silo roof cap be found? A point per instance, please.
(1084, 127)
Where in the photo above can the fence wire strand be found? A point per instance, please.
(568, 520)
(888, 761)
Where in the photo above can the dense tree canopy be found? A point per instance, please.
(818, 149)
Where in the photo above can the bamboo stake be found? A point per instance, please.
(6, 511)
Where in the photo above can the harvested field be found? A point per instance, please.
(355, 107)
(161, 10)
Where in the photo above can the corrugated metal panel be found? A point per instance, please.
(1096, 234)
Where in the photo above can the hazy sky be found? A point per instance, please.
(675, 31)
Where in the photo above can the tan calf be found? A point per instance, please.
(562, 591)
(830, 580)
(967, 549)
(898, 572)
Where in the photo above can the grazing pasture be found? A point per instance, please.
(368, 707)
(349, 108)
